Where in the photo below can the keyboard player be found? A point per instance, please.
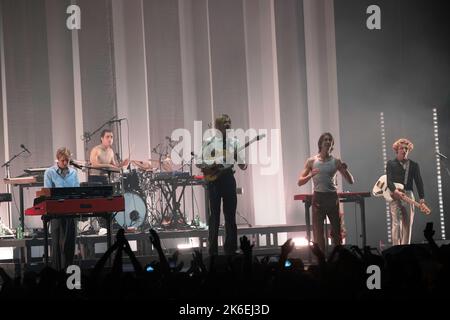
(62, 229)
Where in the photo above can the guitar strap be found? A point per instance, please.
(406, 174)
(224, 147)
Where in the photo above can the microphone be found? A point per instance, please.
(117, 120)
(24, 148)
(86, 136)
(76, 165)
(154, 150)
(441, 155)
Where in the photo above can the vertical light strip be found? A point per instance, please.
(77, 94)
(210, 64)
(5, 109)
(383, 148)
(147, 113)
(438, 172)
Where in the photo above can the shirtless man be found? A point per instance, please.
(102, 156)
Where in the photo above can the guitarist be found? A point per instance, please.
(224, 185)
(405, 171)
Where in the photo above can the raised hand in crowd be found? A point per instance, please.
(120, 240)
(246, 246)
(156, 242)
(286, 249)
(101, 263)
(124, 244)
(318, 253)
(428, 233)
(247, 249)
(197, 265)
(173, 260)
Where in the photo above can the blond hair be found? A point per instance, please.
(402, 141)
(63, 152)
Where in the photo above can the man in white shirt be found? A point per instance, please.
(221, 150)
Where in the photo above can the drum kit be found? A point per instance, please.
(141, 193)
(149, 189)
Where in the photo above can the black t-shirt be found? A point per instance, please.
(396, 173)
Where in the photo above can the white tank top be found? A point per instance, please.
(325, 180)
(104, 157)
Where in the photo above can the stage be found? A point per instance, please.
(28, 253)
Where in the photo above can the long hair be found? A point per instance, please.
(322, 137)
(220, 120)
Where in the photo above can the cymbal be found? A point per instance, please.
(143, 165)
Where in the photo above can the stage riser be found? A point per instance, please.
(93, 246)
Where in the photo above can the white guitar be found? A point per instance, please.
(380, 189)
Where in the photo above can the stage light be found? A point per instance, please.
(193, 243)
(438, 172)
(183, 246)
(6, 253)
(300, 242)
(384, 153)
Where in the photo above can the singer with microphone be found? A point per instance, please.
(407, 172)
(62, 229)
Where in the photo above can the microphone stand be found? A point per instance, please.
(7, 166)
(157, 150)
(192, 191)
(444, 161)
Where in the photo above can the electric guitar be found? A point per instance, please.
(380, 189)
(213, 171)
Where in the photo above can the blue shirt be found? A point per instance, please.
(53, 178)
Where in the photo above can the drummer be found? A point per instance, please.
(102, 157)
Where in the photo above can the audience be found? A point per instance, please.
(413, 271)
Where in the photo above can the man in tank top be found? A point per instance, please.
(102, 157)
(322, 169)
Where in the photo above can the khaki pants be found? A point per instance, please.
(402, 217)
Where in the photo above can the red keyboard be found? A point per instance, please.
(77, 206)
(342, 195)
